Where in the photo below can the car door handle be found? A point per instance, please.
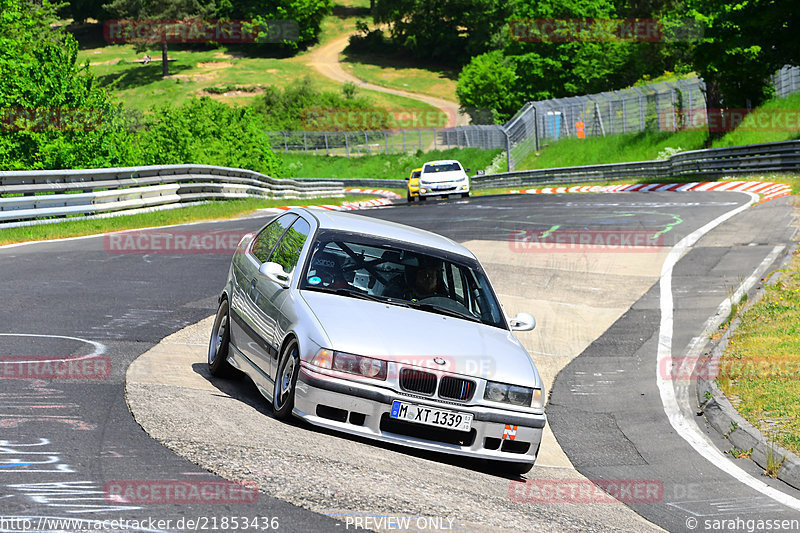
(252, 291)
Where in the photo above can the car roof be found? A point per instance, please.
(442, 162)
(382, 228)
(414, 170)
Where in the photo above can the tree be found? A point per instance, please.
(485, 88)
(308, 15)
(559, 64)
(745, 42)
(53, 114)
(451, 31)
(173, 10)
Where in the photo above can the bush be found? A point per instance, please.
(203, 131)
(302, 107)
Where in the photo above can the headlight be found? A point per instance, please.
(351, 364)
(522, 396)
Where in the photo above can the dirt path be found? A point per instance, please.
(326, 60)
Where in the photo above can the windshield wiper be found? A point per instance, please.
(443, 311)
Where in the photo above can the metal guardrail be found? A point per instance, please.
(31, 194)
(709, 164)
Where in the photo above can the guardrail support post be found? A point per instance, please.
(509, 161)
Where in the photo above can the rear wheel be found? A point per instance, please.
(219, 343)
(285, 381)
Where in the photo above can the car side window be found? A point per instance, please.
(287, 252)
(268, 238)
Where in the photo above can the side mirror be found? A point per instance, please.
(274, 272)
(480, 173)
(522, 322)
(467, 170)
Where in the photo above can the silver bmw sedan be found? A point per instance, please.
(380, 330)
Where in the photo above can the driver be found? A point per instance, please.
(424, 280)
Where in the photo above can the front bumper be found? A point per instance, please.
(443, 189)
(363, 409)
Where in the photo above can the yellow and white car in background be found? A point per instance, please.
(439, 178)
(413, 185)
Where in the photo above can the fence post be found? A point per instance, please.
(366, 142)
(509, 161)
(285, 144)
(434, 139)
(404, 140)
(346, 145)
(419, 135)
(305, 141)
(385, 143)
(536, 128)
(623, 115)
(325, 133)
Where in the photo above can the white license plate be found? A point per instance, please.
(431, 416)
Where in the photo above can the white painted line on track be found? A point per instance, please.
(99, 348)
(686, 427)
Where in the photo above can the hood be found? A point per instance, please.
(437, 177)
(396, 333)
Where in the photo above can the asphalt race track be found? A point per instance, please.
(63, 443)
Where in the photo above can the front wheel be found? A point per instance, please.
(464, 195)
(220, 341)
(285, 381)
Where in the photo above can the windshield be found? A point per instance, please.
(443, 167)
(407, 276)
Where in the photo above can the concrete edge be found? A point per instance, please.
(721, 415)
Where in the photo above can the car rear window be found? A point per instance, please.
(443, 167)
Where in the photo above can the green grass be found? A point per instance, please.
(194, 71)
(759, 127)
(392, 166)
(760, 368)
(622, 148)
(77, 226)
(198, 68)
(398, 72)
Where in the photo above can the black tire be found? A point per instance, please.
(219, 343)
(516, 469)
(409, 198)
(464, 195)
(285, 381)
(421, 198)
